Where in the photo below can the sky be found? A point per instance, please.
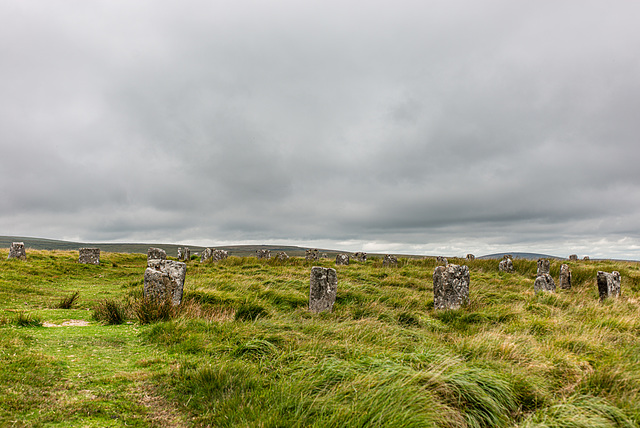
(411, 127)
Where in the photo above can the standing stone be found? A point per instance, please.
(187, 254)
(360, 256)
(181, 253)
(573, 257)
(471, 257)
(608, 284)
(390, 260)
(585, 258)
(565, 277)
(164, 279)
(156, 253)
(282, 256)
(263, 254)
(544, 282)
(506, 265)
(16, 251)
(206, 254)
(544, 266)
(323, 289)
(89, 256)
(442, 260)
(450, 287)
(324, 256)
(342, 260)
(312, 255)
(217, 255)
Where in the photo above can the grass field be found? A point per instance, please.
(243, 350)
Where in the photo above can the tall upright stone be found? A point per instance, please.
(565, 277)
(573, 257)
(441, 260)
(323, 289)
(164, 279)
(206, 254)
(17, 251)
(544, 283)
(180, 253)
(608, 284)
(263, 254)
(471, 257)
(390, 260)
(360, 256)
(187, 254)
(312, 255)
(506, 265)
(342, 260)
(156, 254)
(450, 287)
(544, 266)
(89, 256)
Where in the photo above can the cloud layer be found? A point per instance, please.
(417, 127)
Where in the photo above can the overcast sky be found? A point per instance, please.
(421, 127)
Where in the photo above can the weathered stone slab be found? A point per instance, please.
(324, 256)
(281, 255)
(217, 255)
(89, 256)
(585, 258)
(565, 277)
(360, 256)
(156, 254)
(506, 265)
(543, 283)
(573, 257)
(312, 255)
(471, 257)
(544, 266)
(441, 260)
(450, 287)
(263, 254)
(323, 289)
(342, 260)
(206, 254)
(390, 260)
(609, 284)
(184, 254)
(17, 251)
(164, 279)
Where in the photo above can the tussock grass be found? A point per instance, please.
(67, 302)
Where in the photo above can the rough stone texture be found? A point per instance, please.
(565, 277)
(164, 279)
(184, 254)
(544, 282)
(360, 256)
(323, 288)
(450, 287)
(390, 260)
(16, 251)
(324, 256)
(206, 254)
(544, 266)
(89, 256)
(342, 260)
(573, 257)
(312, 255)
(156, 254)
(217, 255)
(609, 284)
(180, 253)
(471, 257)
(442, 260)
(506, 265)
(585, 258)
(263, 254)
(281, 255)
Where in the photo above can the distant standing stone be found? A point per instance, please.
(360, 256)
(187, 254)
(450, 287)
(180, 253)
(609, 284)
(573, 257)
(17, 251)
(324, 256)
(585, 258)
(565, 277)
(544, 266)
(89, 256)
(217, 255)
(263, 254)
(312, 255)
(471, 257)
(156, 253)
(164, 279)
(442, 260)
(342, 260)
(390, 260)
(206, 254)
(281, 255)
(544, 282)
(323, 289)
(506, 265)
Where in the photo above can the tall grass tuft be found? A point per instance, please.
(250, 312)
(110, 312)
(147, 310)
(27, 320)
(67, 302)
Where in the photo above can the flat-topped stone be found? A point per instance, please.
(342, 260)
(450, 287)
(471, 257)
(156, 254)
(544, 283)
(608, 284)
(360, 256)
(89, 256)
(281, 255)
(573, 257)
(323, 289)
(506, 265)
(263, 254)
(164, 279)
(17, 251)
(390, 260)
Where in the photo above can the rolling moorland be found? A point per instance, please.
(243, 350)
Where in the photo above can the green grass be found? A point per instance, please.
(243, 350)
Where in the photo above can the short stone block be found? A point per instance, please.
(89, 256)
(609, 284)
(360, 256)
(442, 260)
(312, 255)
(573, 257)
(282, 256)
(450, 287)
(544, 283)
(164, 279)
(156, 254)
(390, 260)
(506, 265)
(471, 257)
(544, 266)
(17, 251)
(263, 254)
(323, 289)
(342, 260)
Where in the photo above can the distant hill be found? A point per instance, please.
(528, 256)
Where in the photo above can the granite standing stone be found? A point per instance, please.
(312, 255)
(187, 254)
(342, 260)
(471, 257)
(450, 287)
(89, 256)
(17, 251)
(585, 258)
(390, 260)
(544, 266)
(180, 253)
(282, 256)
(543, 283)
(324, 256)
(442, 260)
(263, 254)
(156, 254)
(360, 256)
(323, 289)
(573, 257)
(164, 279)
(565, 277)
(206, 254)
(609, 284)
(506, 265)
(217, 255)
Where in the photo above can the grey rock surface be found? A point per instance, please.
(442, 260)
(471, 257)
(390, 260)
(450, 287)
(263, 254)
(506, 265)
(206, 254)
(342, 260)
(544, 266)
(544, 283)
(573, 257)
(609, 284)
(360, 256)
(156, 253)
(89, 256)
(323, 289)
(312, 255)
(565, 277)
(17, 251)
(281, 255)
(164, 279)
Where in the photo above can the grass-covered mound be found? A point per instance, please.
(243, 350)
